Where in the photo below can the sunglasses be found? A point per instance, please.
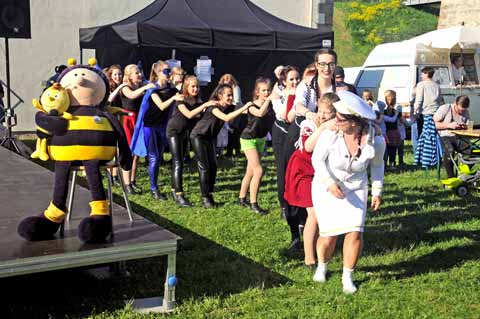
(166, 71)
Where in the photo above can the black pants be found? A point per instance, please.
(177, 145)
(279, 135)
(233, 143)
(419, 124)
(207, 163)
(400, 151)
(62, 174)
(295, 215)
(391, 153)
(452, 144)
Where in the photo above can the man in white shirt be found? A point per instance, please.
(458, 71)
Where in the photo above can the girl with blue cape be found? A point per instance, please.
(149, 138)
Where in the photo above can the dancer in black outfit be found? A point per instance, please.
(185, 115)
(203, 139)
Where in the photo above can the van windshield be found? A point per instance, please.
(383, 78)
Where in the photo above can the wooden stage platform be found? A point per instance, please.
(26, 189)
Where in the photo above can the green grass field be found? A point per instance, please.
(421, 259)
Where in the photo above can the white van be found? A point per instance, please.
(397, 66)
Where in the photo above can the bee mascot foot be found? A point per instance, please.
(98, 226)
(43, 227)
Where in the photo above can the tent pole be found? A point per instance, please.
(81, 56)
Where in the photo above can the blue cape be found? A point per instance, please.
(137, 145)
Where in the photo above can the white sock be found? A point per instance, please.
(347, 281)
(321, 272)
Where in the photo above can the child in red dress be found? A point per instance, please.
(299, 174)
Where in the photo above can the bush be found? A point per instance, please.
(386, 21)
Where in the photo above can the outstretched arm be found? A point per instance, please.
(264, 108)
(191, 114)
(115, 92)
(230, 116)
(133, 94)
(162, 105)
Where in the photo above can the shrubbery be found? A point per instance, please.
(371, 23)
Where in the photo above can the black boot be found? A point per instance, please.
(181, 201)
(157, 195)
(207, 202)
(130, 190)
(242, 202)
(135, 187)
(257, 209)
(295, 244)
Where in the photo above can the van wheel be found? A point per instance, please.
(462, 191)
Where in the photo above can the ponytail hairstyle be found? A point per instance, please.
(258, 81)
(186, 83)
(129, 70)
(156, 68)
(219, 91)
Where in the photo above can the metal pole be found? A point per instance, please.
(9, 103)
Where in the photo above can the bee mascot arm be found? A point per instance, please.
(54, 124)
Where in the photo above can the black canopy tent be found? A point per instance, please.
(237, 35)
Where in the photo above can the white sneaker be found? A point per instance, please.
(320, 274)
(348, 286)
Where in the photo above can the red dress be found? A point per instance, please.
(299, 174)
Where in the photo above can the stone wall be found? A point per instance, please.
(454, 12)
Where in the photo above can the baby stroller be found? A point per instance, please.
(468, 174)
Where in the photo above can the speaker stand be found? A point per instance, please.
(9, 141)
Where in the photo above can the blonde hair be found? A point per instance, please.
(328, 99)
(177, 69)
(186, 83)
(228, 78)
(156, 68)
(129, 70)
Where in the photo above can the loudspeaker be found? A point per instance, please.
(15, 19)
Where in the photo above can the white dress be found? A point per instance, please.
(333, 164)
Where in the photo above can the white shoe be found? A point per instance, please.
(320, 274)
(348, 286)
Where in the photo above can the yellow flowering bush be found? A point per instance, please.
(374, 23)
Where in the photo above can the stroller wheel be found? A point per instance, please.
(462, 191)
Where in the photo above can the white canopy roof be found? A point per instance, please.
(460, 37)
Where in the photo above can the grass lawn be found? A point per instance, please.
(421, 259)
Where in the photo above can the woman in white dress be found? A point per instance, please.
(341, 160)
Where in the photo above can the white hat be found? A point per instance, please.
(352, 104)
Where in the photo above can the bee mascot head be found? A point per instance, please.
(89, 139)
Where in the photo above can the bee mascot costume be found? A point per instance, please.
(89, 138)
